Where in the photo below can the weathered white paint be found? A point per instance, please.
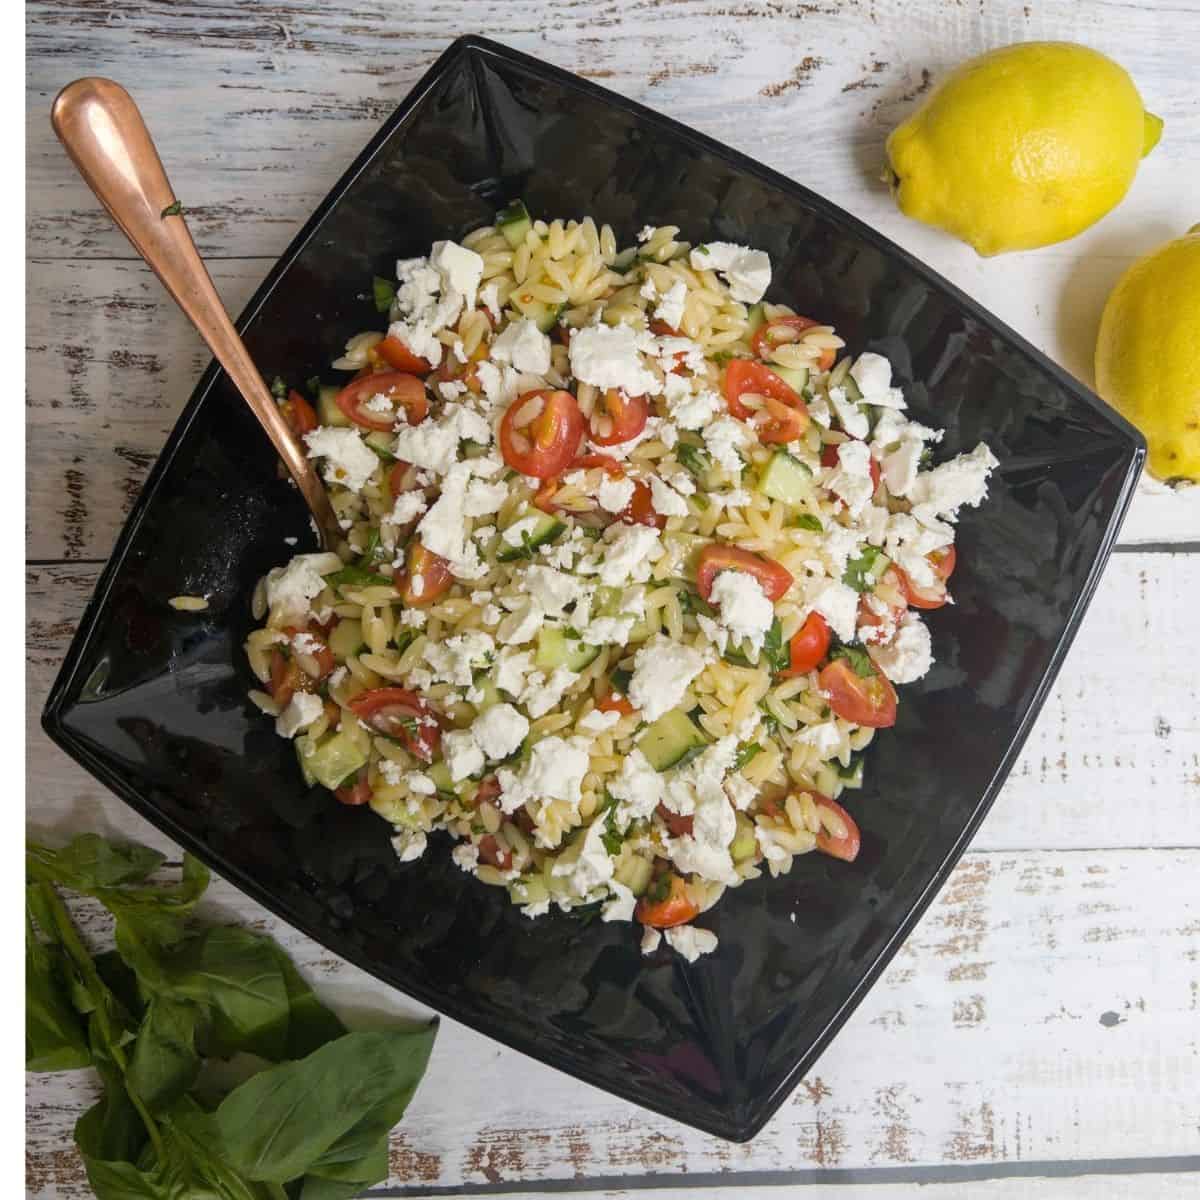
(983, 1043)
(1044, 1009)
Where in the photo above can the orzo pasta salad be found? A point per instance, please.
(632, 561)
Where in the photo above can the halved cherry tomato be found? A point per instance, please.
(783, 330)
(869, 700)
(870, 619)
(624, 417)
(779, 423)
(424, 577)
(943, 563)
(844, 847)
(298, 413)
(640, 510)
(589, 462)
(613, 701)
(452, 367)
(831, 456)
(774, 579)
(540, 433)
(403, 715)
(488, 789)
(495, 855)
(666, 904)
(316, 648)
(743, 376)
(677, 824)
(398, 356)
(286, 677)
(402, 477)
(809, 645)
(358, 792)
(403, 390)
(333, 713)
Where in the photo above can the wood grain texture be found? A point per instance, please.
(1044, 1009)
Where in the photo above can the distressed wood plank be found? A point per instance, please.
(1044, 1009)
(1121, 723)
(111, 363)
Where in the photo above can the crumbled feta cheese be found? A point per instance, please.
(465, 856)
(851, 418)
(511, 669)
(518, 531)
(500, 383)
(552, 589)
(909, 655)
(746, 610)
(433, 444)
(662, 670)
(873, 374)
(462, 754)
(484, 498)
(651, 939)
(491, 614)
(414, 617)
(665, 499)
(608, 631)
(522, 625)
(824, 737)
(541, 694)
(962, 480)
(818, 409)
(900, 466)
(586, 864)
(837, 603)
(392, 773)
(740, 792)
(499, 731)
(554, 771)
(455, 660)
(724, 437)
(746, 271)
(443, 529)
(690, 941)
(409, 846)
(670, 308)
(693, 410)
(348, 459)
(451, 389)
(851, 479)
(648, 291)
(628, 552)
(291, 588)
(610, 357)
(705, 851)
(597, 721)
(460, 269)
(646, 233)
(302, 710)
(637, 788)
(489, 297)
(408, 507)
(614, 494)
(524, 345)
(335, 680)
(621, 905)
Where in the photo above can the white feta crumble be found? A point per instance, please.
(483, 498)
(651, 939)
(741, 791)
(690, 941)
(837, 603)
(415, 618)
(628, 553)
(433, 444)
(409, 846)
(962, 480)
(348, 459)
(746, 610)
(705, 851)
(724, 437)
(489, 297)
(613, 495)
(610, 357)
(541, 694)
(670, 307)
(408, 507)
(443, 529)
(302, 710)
(554, 771)
(521, 625)
(500, 383)
(587, 864)
(462, 754)
(460, 269)
(824, 737)
(746, 271)
(621, 904)
(909, 655)
(291, 588)
(638, 788)
(499, 731)
(597, 721)
(551, 588)
(851, 418)
(662, 671)
(416, 781)
(511, 669)
(465, 856)
(691, 409)
(873, 374)
(818, 409)
(524, 345)
(451, 389)
(454, 660)
(665, 499)
(648, 291)
(851, 479)
(646, 233)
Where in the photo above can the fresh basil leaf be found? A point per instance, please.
(857, 657)
(313, 385)
(860, 571)
(90, 862)
(384, 292)
(165, 1061)
(310, 1023)
(152, 917)
(55, 1036)
(612, 837)
(807, 521)
(111, 1130)
(364, 1081)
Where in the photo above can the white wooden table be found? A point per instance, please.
(1037, 1035)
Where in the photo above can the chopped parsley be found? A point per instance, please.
(612, 837)
(279, 389)
(384, 292)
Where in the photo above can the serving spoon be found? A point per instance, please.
(103, 132)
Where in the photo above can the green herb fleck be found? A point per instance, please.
(620, 680)
(659, 888)
(692, 602)
(746, 755)
(775, 650)
(693, 458)
(808, 521)
(860, 571)
(384, 292)
(702, 249)
(313, 385)
(356, 576)
(279, 389)
(857, 657)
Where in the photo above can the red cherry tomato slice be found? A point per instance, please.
(742, 376)
(809, 645)
(831, 456)
(778, 423)
(870, 619)
(640, 510)
(424, 577)
(774, 579)
(358, 792)
(869, 700)
(403, 715)
(403, 390)
(286, 677)
(678, 824)
(540, 433)
(316, 648)
(299, 414)
(783, 330)
(672, 908)
(488, 789)
(398, 356)
(844, 846)
(613, 701)
(494, 854)
(402, 477)
(623, 417)
(943, 563)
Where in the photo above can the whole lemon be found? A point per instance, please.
(1148, 354)
(1022, 147)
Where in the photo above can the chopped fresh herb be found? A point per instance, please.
(702, 249)
(925, 462)
(746, 754)
(612, 837)
(858, 659)
(770, 721)
(691, 601)
(279, 389)
(174, 209)
(403, 638)
(723, 356)
(775, 650)
(384, 292)
(356, 576)
(370, 555)
(383, 455)
(853, 769)
(737, 656)
(572, 633)
(620, 680)
(313, 385)
(859, 573)
(659, 888)
(808, 521)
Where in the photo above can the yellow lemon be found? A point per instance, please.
(1022, 147)
(1148, 354)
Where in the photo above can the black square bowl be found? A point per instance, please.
(152, 702)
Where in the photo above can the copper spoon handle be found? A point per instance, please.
(103, 132)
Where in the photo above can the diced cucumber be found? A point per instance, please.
(545, 529)
(555, 649)
(795, 377)
(382, 443)
(302, 744)
(634, 872)
(328, 412)
(827, 781)
(333, 759)
(744, 842)
(852, 390)
(607, 601)
(514, 222)
(346, 638)
(786, 478)
(688, 547)
(440, 774)
(543, 315)
(851, 776)
(756, 318)
(671, 740)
